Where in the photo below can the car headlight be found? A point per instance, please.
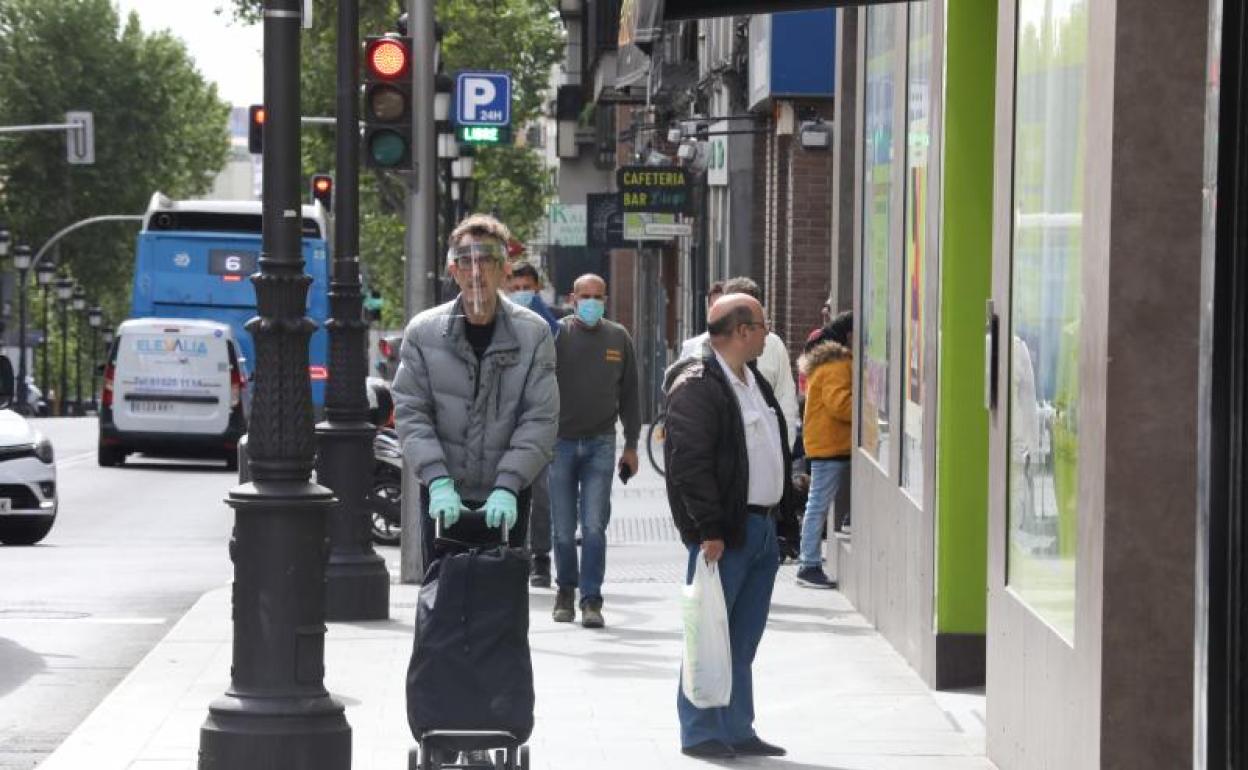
(43, 450)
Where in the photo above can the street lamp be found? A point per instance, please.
(64, 291)
(79, 304)
(95, 317)
(276, 713)
(5, 239)
(21, 262)
(45, 273)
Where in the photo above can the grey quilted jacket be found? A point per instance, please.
(485, 424)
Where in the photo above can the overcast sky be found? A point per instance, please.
(225, 52)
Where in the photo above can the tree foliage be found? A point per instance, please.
(523, 37)
(158, 126)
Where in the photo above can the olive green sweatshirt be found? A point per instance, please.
(597, 374)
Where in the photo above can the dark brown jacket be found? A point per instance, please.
(705, 454)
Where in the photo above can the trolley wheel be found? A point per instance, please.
(524, 758)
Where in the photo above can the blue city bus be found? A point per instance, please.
(194, 259)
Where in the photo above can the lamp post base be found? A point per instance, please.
(357, 587)
(275, 733)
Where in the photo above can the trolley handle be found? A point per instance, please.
(465, 511)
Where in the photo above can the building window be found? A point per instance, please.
(1050, 141)
(918, 261)
(877, 251)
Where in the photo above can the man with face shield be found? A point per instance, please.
(476, 401)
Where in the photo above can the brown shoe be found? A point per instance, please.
(591, 614)
(565, 606)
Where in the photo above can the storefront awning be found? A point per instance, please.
(676, 10)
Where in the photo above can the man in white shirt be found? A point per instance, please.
(727, 456)
(773, 363)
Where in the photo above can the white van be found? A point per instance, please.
(172, 387)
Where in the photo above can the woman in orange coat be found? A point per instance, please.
(827, 434)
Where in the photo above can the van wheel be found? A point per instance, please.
(16, 532)
(110, 456)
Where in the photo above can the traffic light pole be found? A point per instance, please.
(276, 714)
(357, 581)
(423, 261)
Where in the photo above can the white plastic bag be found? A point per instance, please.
(706, 670)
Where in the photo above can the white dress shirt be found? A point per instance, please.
(762, 439)
(775, 367)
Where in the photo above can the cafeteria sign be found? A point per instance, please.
(655, 189)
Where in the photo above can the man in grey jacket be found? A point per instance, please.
(476, 401)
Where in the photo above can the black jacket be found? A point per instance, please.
(705, 453)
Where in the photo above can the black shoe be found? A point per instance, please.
(814, 577)
(591, 613)
(709, 750)
(565, 606)
(540, 576)
(757, 747)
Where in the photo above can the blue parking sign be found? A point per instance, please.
(483, 99)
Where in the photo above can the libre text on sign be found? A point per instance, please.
(655, 189)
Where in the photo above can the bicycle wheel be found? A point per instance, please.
(654, 445)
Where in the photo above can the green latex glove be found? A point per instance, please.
(500, 506)
(444, 501)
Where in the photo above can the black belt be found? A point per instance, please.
(762, 510)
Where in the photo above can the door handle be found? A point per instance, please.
(992, 331)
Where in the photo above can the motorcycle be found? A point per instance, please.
(385, 498)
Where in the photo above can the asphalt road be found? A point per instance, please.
(132, 549)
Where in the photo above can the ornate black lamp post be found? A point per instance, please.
(276, 714)
(357, 581)
(64, 291)
(79, 303)
(95, 317)
(21, 263)
(45, 272)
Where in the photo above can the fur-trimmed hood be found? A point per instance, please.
(824, 353)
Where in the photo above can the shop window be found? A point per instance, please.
(918, 261)
(1050, 143)
(877, 241)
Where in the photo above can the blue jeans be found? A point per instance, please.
(748, 574)
(580, 492)
(826, 477)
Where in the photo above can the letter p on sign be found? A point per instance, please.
(483, 99)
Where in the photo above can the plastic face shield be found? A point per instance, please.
(475, 257)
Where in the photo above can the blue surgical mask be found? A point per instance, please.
(590, 311)
(522, 297)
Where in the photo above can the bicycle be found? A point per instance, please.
(654, 444)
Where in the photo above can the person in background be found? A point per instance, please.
(690, 347)
(826, 436)
(524, 286)
(727, 461)
(773, 364)
(598, 384)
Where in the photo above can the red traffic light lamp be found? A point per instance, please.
(255, 129)
(388, 102)
(323, 190)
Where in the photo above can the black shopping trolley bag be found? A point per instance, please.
(470, 666)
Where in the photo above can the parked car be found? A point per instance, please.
(28, 502)
(172, 387)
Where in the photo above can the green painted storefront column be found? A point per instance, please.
(966, 278)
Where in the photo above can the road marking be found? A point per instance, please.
(77, 459)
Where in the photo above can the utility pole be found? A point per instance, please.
(422, 259)
(357, 581)
(276, 714)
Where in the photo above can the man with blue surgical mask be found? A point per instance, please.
(597, 374)
(524, 287)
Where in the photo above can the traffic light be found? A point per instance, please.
(255, 129)
(323, 190)
(388, 102)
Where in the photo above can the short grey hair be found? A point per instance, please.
(728, 323)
